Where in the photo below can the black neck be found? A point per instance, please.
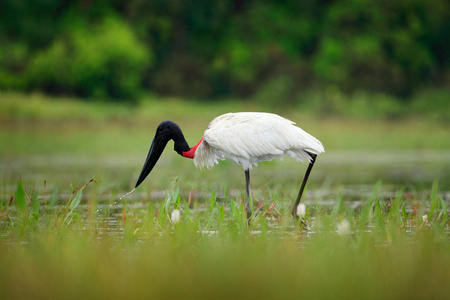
(180, 144)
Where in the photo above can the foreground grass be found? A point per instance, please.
(395, 248)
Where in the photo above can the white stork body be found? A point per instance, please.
(250, 137)
(245, 138)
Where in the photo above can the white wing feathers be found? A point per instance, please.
(247, 138)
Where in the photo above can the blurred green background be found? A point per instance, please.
(83, 85)
(320, 53)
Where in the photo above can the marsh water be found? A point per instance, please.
(351, 173)
(351, 176)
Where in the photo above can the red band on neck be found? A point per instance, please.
(191, 153)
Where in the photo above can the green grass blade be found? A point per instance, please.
(20, 201)
(76, 200)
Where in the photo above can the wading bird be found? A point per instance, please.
(245, 138)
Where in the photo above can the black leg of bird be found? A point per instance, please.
(305, 179)
(249, 192)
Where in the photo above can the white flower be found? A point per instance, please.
(175, 216)
(425, 218)
(343, 228)
(301, 210)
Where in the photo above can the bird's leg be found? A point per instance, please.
(248, 207)
(305, 179)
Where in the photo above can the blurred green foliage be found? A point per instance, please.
(263, 49)
(104, 60)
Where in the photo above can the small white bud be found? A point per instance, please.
(175, 216)
(343, 228)
(301, 210)
(425, 218)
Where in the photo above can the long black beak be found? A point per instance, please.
(157, 147)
